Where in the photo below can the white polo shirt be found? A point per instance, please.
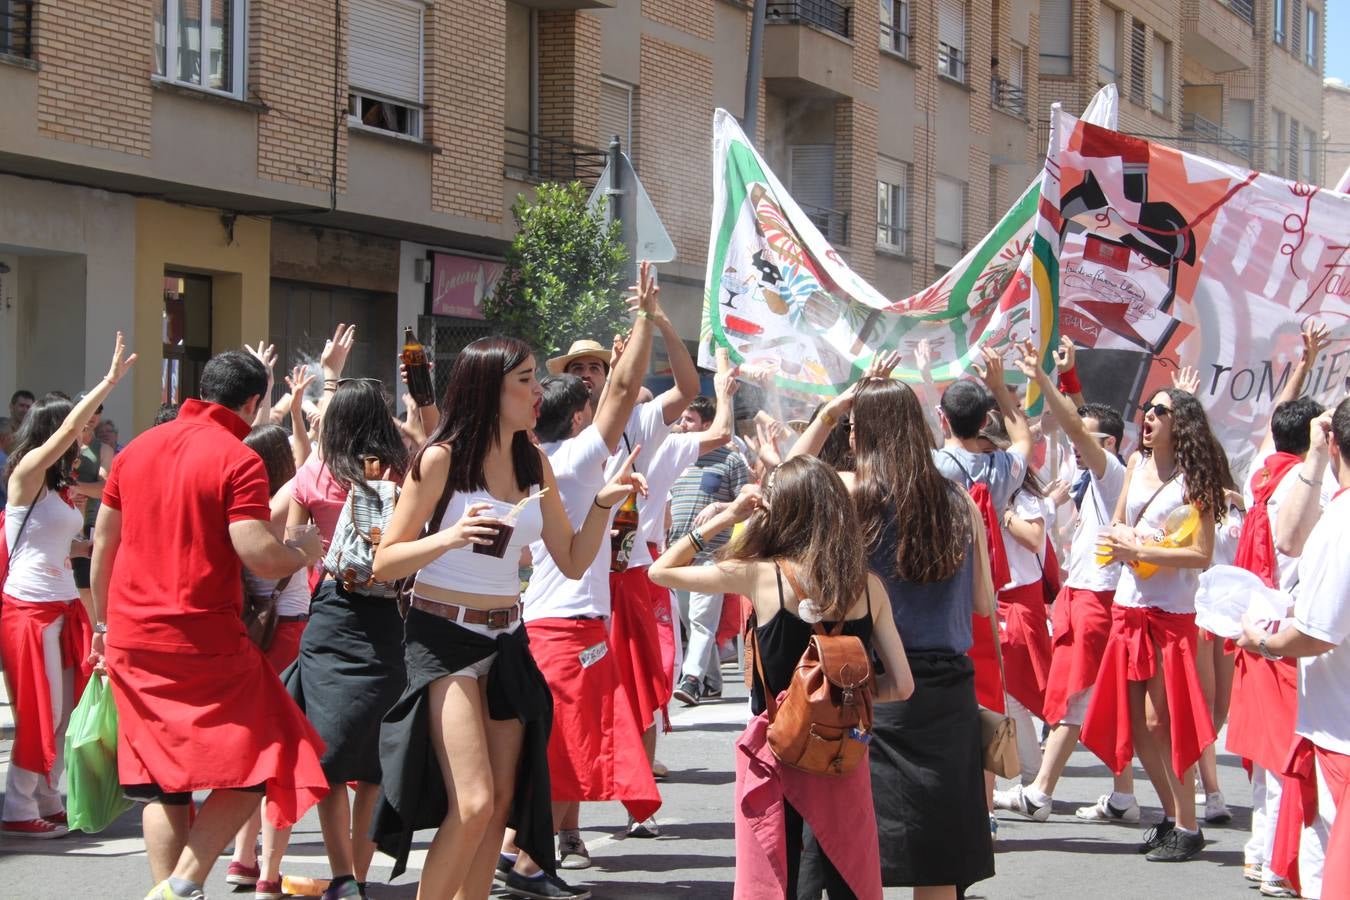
(1322, 610)
(676, 453)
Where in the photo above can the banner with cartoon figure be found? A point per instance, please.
(1167, 260)
(778, 297)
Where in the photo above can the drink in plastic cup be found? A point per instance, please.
(506, 526)
(1103, 555)
(298, 533)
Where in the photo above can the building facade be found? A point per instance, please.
(1336, 129)
(208, 172)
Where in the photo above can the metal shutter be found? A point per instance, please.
(616, 115)
(952, 24)
(384, 52)
(1108, 42)
(1017, 60)
(811, 175)
(1138, 71)
(1056, 36)
(1296, 27)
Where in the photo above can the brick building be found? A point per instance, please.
(1336, 129)
(206, 172)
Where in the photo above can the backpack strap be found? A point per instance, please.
(970, 479)
(801, 595)
(770, 701)
(1149, 502)
(778, 573)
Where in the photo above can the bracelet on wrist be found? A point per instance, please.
(1308, 481)
(829, 418)
(100, 628)
(1069, 382)
(597, 502)
(697, 541)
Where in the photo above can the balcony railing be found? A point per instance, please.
(16, 28)
(895, 34)
(1196, 129)
(826, 14)
(833, 223)
(536, 158)
(950, 63)
(1244, 8)
(1009, 97)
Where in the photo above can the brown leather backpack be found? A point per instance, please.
(824, 723)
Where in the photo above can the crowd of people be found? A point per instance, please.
(472, 619)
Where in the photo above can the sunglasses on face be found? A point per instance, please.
(1158, 409)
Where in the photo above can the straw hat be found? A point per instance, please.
(558, 364)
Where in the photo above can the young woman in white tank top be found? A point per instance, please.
(41, 603)
(1179, 463)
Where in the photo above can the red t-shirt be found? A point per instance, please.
(176, 581)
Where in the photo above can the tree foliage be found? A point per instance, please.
(561, 281)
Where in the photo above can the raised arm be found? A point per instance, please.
(1014, 419)
(299, 379)
(1064, 413)
(625, 381)
(813, 438)
(334, 359)
(1316, 337)
(574, 551)
(1302, 506)
(675, 568)
(1066, 364)
(30, 473)
(676, 400)
(267, 355)
(927, 390)
(724, 386)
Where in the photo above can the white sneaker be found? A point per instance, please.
(572, 852)
(1216, 811)
(1015, 800)
(647, 828)
(1103, 811)
(1275, 886)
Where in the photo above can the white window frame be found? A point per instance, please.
(1114, 15)
(1281, 34)
(627, 138)
(895, 17)
(898, 222)
(952, 60)
(1312, 32)
(415, 108)
(1057, 64)
(1160, 68)
(238, 55)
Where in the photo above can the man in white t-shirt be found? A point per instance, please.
(1082, 613)
(1317, 636)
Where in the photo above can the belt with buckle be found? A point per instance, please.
(503, 617)
(303, 617)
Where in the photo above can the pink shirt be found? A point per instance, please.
(322, 497)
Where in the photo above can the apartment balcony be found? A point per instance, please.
(16, 28)
(1218, 34)
(1008, 97)
(807, 49)
(566, 4)
(1200, 135)
(833, 223)
(534, 158)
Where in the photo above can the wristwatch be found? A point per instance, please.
(1265, 651)
(100, 628)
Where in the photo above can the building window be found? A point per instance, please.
(895, 27)
(1309, 157)
(811, 183)
(1056, 37)
(1295, 156)
(893, 179)
(16, 28)
(1295, 27)
(186, 333)
(1162, 52)
(949, 233)
(1239, 125)
(1277, 14)
(384, 65)
(952, 39)
(1108, 45)
(616, 114)
(1138, 69)
(1281, 136)
(181, 39)
(1311, 34)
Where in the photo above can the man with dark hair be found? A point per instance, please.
(1289, 424)
(1082, 611)
(698, 415)
(19, 403)
(167, 412)
(562, 408)
(1318, 637)
(199, 707)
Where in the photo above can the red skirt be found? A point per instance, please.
(285, 645)
(196, 722)
(1261, 714)
(21, 626)
(636, 644)
(1139, 636)
(595, 750)
(1080, 625)
(1026, 645)
(988, 679)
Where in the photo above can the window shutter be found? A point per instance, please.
(1291, 168)
(1108, 43)
(1056, 37)
(949, 200)
(1017, 60)
(616, 115)
(1138, 44)
(952, 23)
(811, 175)
(1159, 83)
(1295, 27)
(384, 48)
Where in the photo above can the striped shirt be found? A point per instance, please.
(716, 477)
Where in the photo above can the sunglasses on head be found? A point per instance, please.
(1158, 409)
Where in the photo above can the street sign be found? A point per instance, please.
(643, 234)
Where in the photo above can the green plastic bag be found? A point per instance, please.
(95, 795)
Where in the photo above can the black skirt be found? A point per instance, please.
(350, 671)
(928, 779)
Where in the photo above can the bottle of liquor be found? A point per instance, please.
(623, 533)
(419, 372)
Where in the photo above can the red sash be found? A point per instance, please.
(21, 627)
(1026, 645)
(636, 643)
(1081, 624)
(1256, 543)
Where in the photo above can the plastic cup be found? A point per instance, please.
(1103, 554)
(506, 526)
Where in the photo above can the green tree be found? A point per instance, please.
(561, 281)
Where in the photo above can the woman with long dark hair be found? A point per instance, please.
(798, 563)
(44, 629)
(350, 668)
(925, 540)
(476, 703)
(1150, 654)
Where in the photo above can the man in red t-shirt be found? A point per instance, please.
(185, 505)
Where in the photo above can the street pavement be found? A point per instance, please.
(695, 855)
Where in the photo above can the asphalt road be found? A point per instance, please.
(695, 856)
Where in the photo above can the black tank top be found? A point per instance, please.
(783, 639)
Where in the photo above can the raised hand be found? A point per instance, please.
(923, 357)
(991, 372)
(1028, 361)
(882, 365)
(768, 447)
(747, 503)
(623, 483)
(265, 354)
(335, 351)
(1066, 357)
(119, 366)
(301, 377)
(1316, 337)
(1187, 379)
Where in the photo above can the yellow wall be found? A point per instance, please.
(192, 239)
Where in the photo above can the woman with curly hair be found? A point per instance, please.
(1148, 698)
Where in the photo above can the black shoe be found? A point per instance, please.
(689, 691)
(709, 692)
(504, 867)
(1155, 836)
(1178, 846)
(543, 887)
